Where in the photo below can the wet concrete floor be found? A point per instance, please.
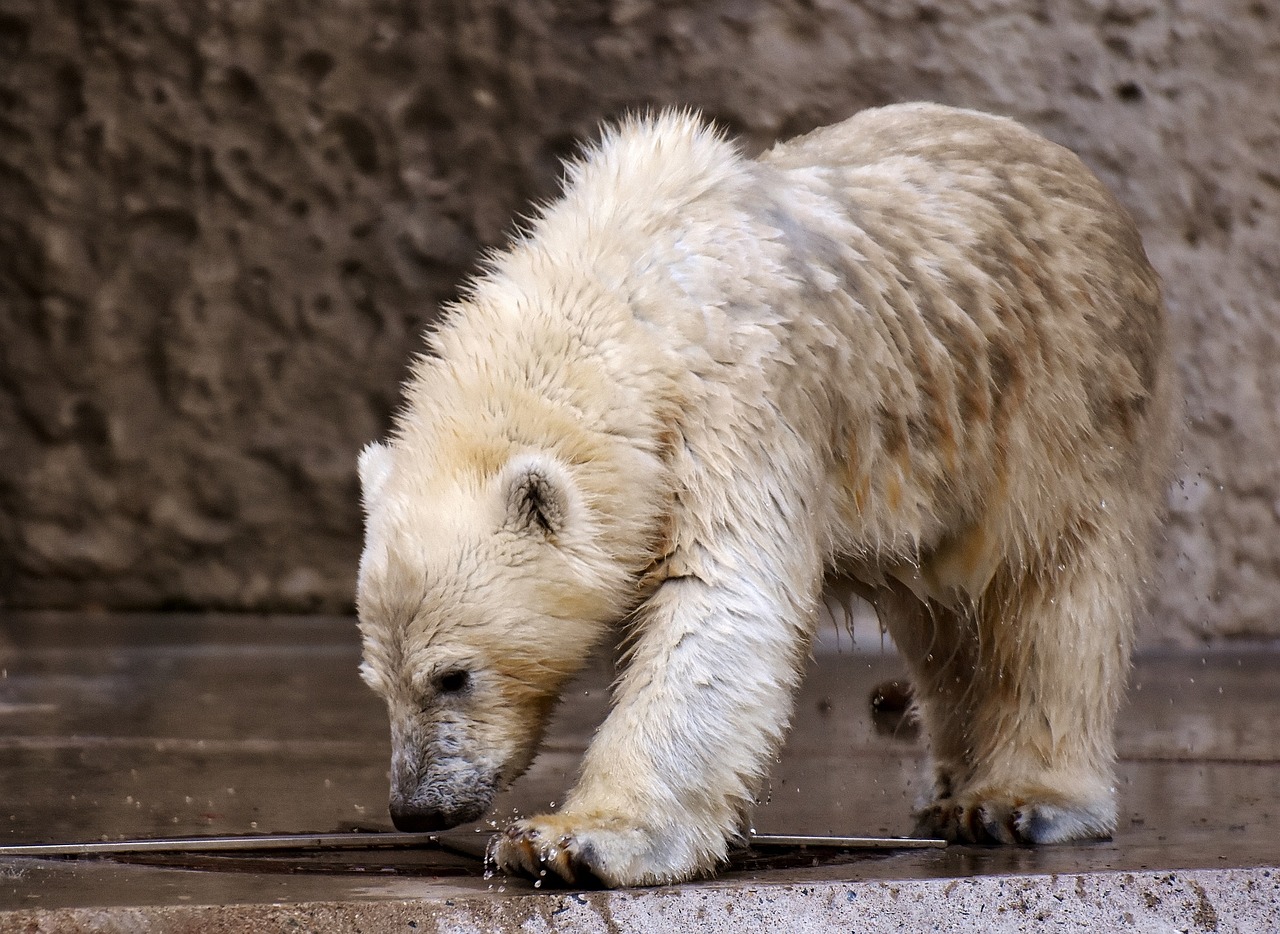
(116, 727)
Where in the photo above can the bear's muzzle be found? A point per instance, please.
(438, 793)
(409, 817)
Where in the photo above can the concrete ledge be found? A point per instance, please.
(1244, 900)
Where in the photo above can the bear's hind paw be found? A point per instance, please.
(1016, 819)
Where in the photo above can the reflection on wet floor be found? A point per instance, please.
(118, 727)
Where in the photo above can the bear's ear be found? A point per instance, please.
(375, 467)
(536, 495)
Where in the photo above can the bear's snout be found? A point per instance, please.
(414, 815)
(434, 786)
(437, 797)
(410, 818)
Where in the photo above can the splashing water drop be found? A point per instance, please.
(490, 861)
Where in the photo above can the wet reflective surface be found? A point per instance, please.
(116, 727)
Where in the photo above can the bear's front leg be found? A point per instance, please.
(699, 712)
(701, 708)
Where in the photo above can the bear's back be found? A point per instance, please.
(1004, 314)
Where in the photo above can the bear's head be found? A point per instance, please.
(481, 592)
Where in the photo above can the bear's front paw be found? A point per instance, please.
(994, 816)
(540, 851)
(586, 852)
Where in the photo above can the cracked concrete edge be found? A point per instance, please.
(1243, 900)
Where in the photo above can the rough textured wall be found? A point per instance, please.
(222, 226)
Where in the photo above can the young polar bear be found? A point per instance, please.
(921, 350)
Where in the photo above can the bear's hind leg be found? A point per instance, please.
(940, 660)
(1052, 641)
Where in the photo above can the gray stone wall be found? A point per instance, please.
(223, 226)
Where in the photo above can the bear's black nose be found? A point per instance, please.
(410, 819)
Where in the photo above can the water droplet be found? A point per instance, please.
(489, 859)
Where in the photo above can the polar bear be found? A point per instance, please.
(921, 350)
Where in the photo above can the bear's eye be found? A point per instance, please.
(453, 681)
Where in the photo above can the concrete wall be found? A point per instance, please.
(223, 225)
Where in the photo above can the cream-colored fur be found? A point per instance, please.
(922, 350)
